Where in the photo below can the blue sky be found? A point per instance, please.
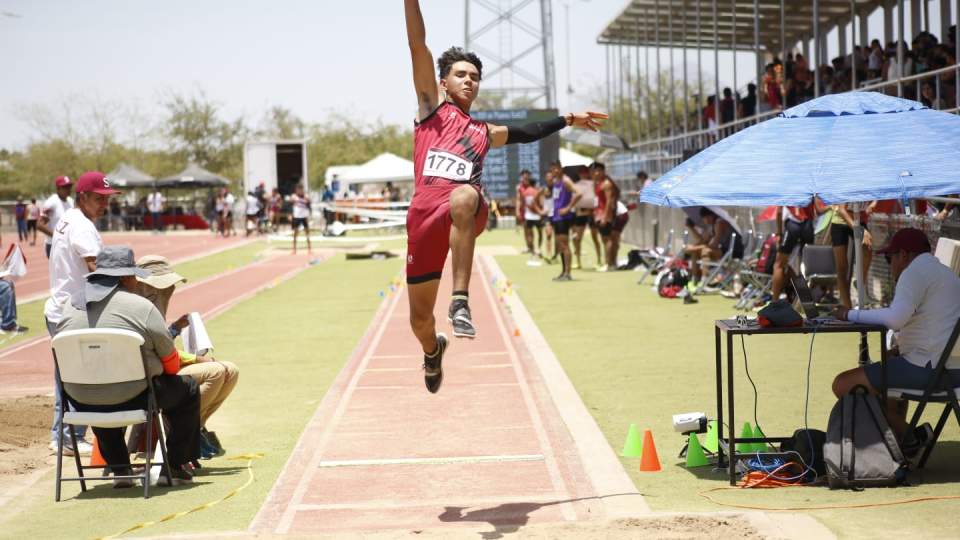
(311, 56)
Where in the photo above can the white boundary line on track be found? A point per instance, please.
(559, 486)
(289, 513)
(613, 487)
(430, 461)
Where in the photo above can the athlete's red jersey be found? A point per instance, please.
(449, 145)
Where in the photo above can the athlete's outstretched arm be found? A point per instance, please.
(534, 131)
(424, 81)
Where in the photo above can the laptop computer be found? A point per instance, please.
(805, 297)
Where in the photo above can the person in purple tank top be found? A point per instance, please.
(565, 198)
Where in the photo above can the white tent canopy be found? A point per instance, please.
(570, 158)
(339, 171)
(384, 168)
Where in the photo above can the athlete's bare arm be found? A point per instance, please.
(424, 81)
(612, 197)
(502, 135)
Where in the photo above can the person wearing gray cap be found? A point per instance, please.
(110, 300)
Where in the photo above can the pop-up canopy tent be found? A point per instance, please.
(128, 176)
(386, 167)
(569, 158)
(193, 176)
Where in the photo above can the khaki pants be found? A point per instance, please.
(216, 380)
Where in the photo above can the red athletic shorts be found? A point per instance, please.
(428, 230)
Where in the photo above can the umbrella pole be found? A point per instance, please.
(861, 285)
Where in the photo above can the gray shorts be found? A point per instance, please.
(903, 374)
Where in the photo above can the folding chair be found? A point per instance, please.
(654, 258)
(726, 264)
(102, 356)
(939, 390)
(819, 267)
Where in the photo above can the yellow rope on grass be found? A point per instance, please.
(204, 506)
(706, 495)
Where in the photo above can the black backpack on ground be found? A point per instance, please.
(861, 450)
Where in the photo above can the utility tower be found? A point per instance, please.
(506, 34)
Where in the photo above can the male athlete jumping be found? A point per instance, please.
(447, 210)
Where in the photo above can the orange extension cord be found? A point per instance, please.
(756, 479)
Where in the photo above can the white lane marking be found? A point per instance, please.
(286, 520)
(430, 461)
(553, 469)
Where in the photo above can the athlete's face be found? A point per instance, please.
(462, 84)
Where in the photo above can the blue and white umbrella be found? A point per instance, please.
(852, 147)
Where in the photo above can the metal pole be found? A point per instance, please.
(716, 66)
(686, 88)
(783, 32)
(816, 48)
(853, 45)
(639, 91)
(672, 103)
(549, 73)
(733, 4)
(900, 42)
(606, 55)
(700, 101)
(656, 38)
(466, 24)
(646, 67)
(756, 51)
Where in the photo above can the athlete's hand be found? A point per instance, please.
(587, 120)
(565, 210)
(182, 322)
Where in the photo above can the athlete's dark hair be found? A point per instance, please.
(556, 164)
(598, 165)
(704, 212)
(456, 54)
(526, 171)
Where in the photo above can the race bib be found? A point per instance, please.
(447, 165)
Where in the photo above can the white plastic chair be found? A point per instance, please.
(103, 356)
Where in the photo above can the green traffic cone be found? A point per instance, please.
(695, 455)
(633, 445)
(746, 433)
(759, 446)
(711, 443)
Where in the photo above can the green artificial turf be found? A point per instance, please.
(637, 358)
(289, 341)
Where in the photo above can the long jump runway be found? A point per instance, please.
(491, 449)
(27, 368)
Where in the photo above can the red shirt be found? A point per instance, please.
(449, 146)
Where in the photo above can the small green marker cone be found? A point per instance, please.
(746, 433)
(695, 455)
(633, 445)
(711, 443)
(759, 446)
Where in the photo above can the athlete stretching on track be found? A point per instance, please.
(447, 210)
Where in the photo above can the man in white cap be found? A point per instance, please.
(110, 300)
(74, 246)
(53, 209)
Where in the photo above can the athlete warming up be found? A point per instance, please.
(447, 210)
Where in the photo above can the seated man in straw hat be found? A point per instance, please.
(216, 378)
(109, 300)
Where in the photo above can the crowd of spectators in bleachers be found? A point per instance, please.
(791, 81)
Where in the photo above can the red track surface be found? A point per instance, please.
(27, 368)
(175, 247)
(381, 452)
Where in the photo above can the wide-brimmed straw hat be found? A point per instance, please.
(160, 273)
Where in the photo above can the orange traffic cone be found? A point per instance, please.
(649, 462)
(516, 332)
(95, 458)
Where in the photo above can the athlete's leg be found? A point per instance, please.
(528, 236)
(551, 243)
(578, 231)
(614, 248)
(596, 243)
(306, 234)
(563, 249)
(463, 210)
(539, 250)
(423, 297)
(296, 231)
